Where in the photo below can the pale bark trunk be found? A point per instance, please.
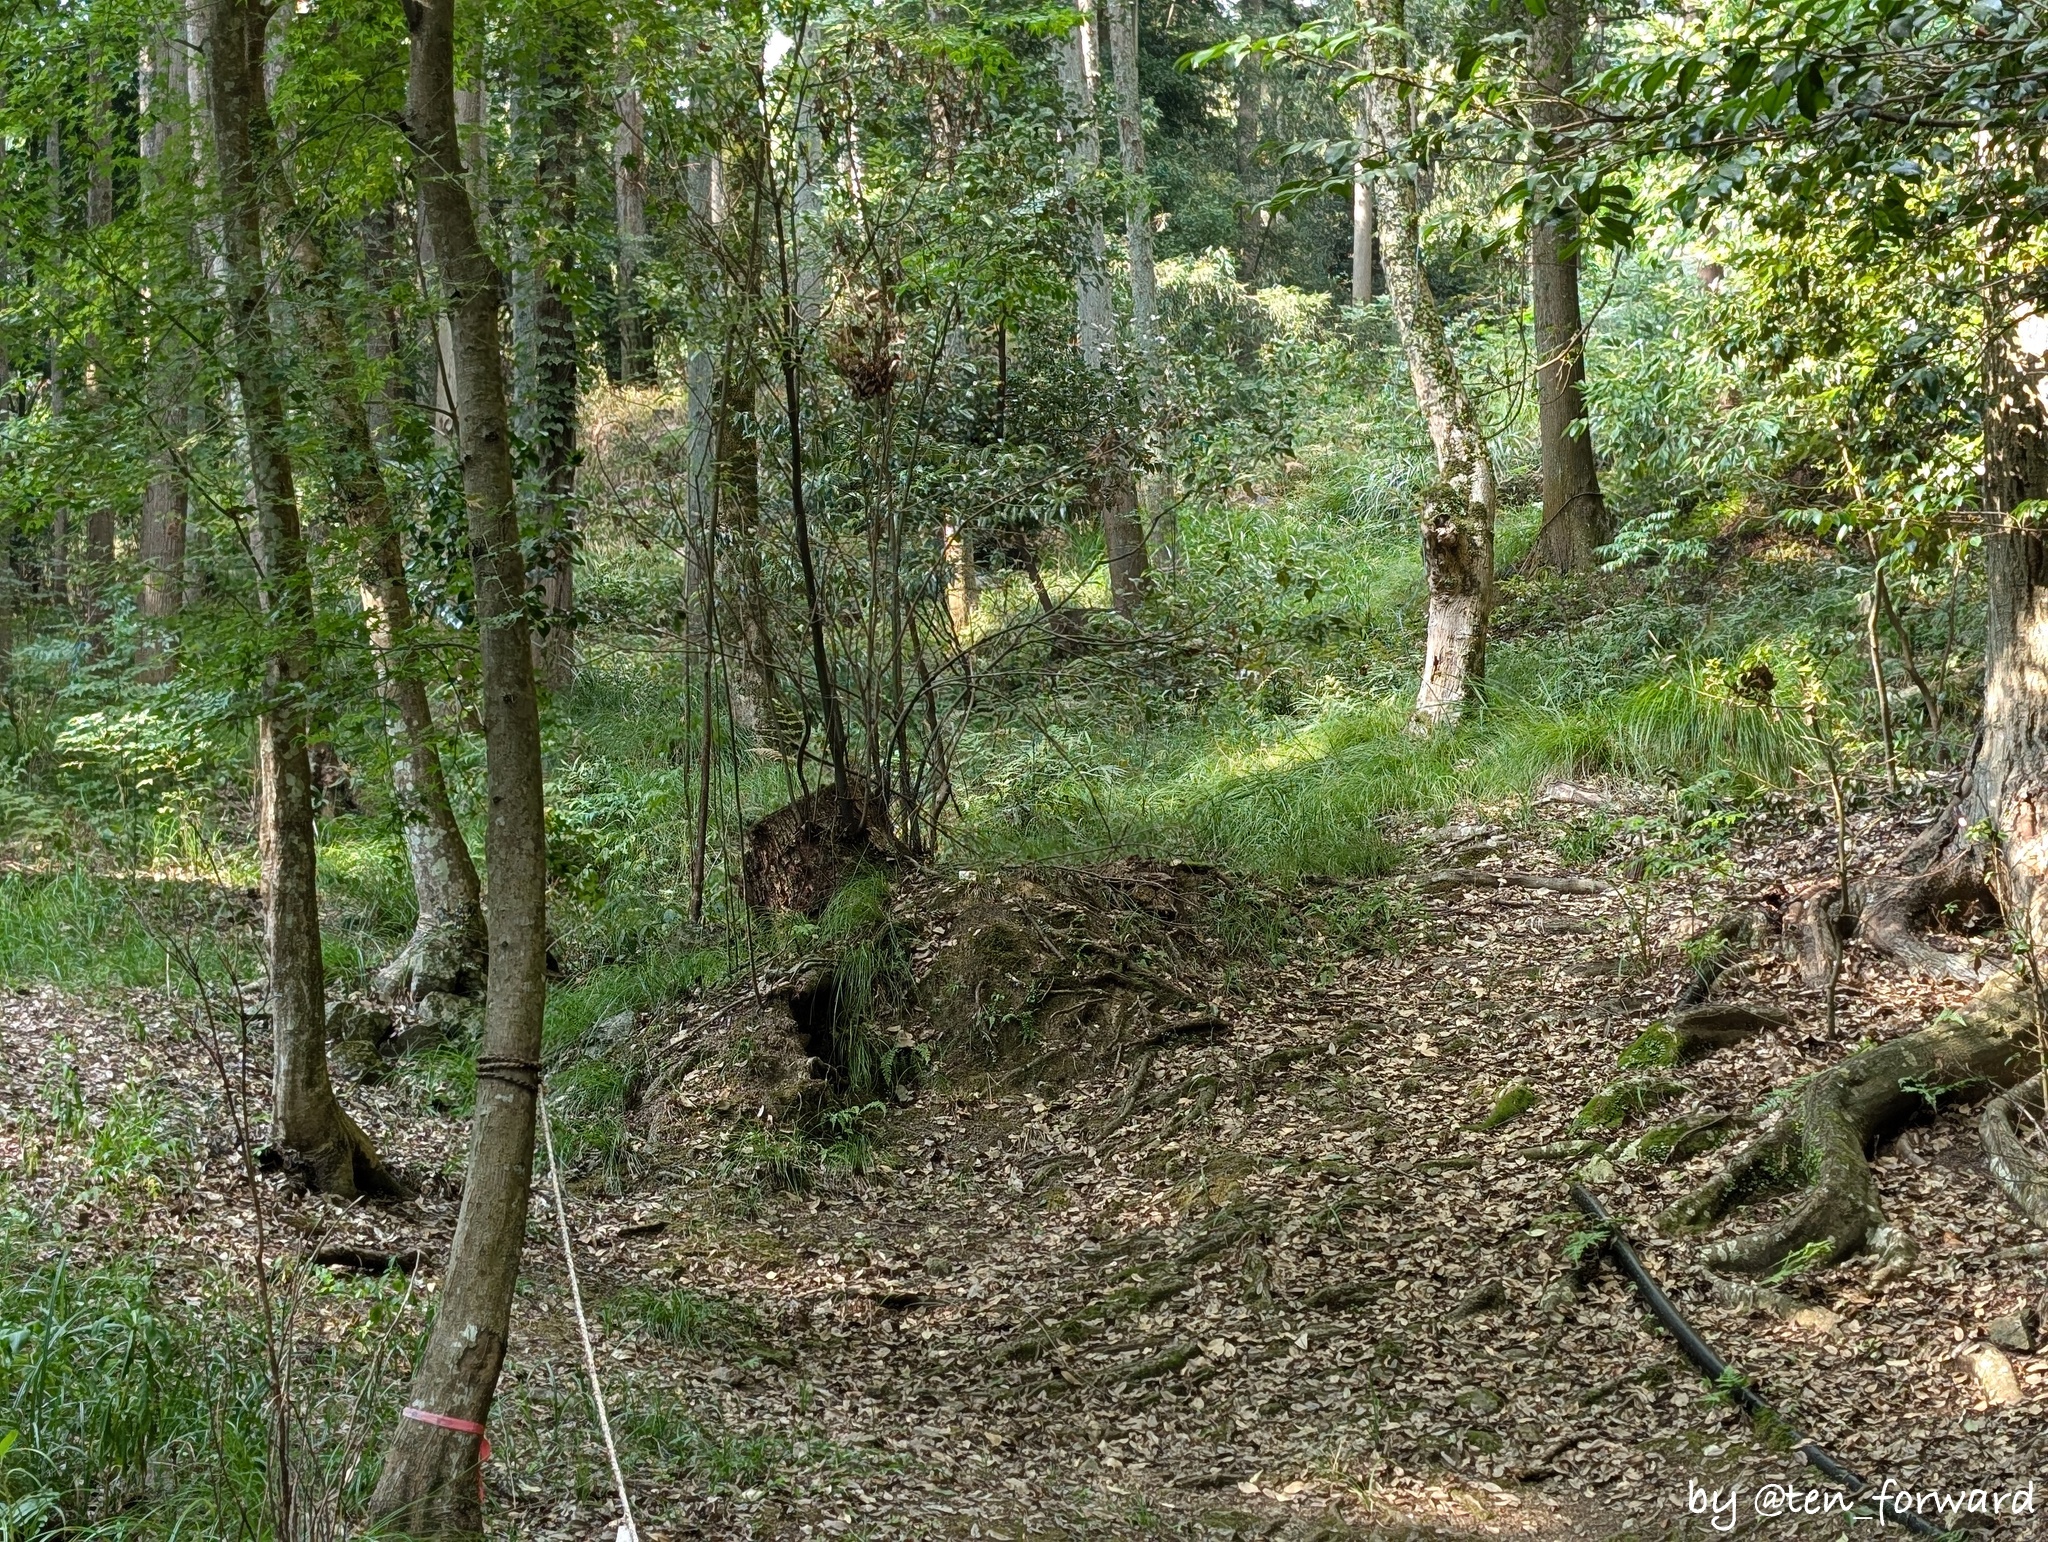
(1575, 521)
(429, 1483)
(629, 198)
(700, 394)
(1156, 504)
(736, 202)
(1123, 537)
(1362, 220)
(99, 214)
(307, 1121)
(1457, 520)
(2006, 784)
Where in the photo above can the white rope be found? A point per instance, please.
(627, 1533)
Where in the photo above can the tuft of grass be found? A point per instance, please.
(681, 1316)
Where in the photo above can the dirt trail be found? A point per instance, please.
(1265, 1281)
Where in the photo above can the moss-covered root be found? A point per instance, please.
(1840, 1113)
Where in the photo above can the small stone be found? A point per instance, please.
(1816, 1319)
(1993, 1371)
(2015, 1331)
(1479, 1401)
(1490, 1296)
(353, 1022)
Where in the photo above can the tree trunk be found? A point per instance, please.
(1251, 231)
(555, 111)
(429, 1484)
(1457, 521)
(1123, 538)
(1161, 520)
(160, 536)
(1362, 212)
(307, 1121)
(1575, 521)
(2006, 784)
(629, 197)
(447, 950)
(736, 215)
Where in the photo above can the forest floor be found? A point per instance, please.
(1272, 1284)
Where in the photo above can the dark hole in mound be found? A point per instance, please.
(815, 1008)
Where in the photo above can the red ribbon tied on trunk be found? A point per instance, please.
(462, 1427)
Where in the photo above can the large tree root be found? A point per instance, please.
(1819, 1145)
(2013, 1167)
(1942, 878)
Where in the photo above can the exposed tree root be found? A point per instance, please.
(448, 955)
(2013, 1167)
(1943, 878)
(1725, 944)
(1818, 1146)
(1450, 880)
(346, 1166)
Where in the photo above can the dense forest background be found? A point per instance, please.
(525, 518)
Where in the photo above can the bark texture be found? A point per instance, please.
(1123, 536)
(629, 197)
(2006, 784)
(1575, 520)
(555, 112)
(1457, 517)
(429, 1485)
(307, 1121)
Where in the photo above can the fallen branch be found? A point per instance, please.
(342, 1255)
(1452, 879)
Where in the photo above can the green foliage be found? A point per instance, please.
(1801, 1260)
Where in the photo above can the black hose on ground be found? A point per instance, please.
(1701, 1353)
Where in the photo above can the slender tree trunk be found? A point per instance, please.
(160, 536)
(1250, 81)
(629, 197)
(429, 1483)
(447, 950)
(57, 571)
(1575, 520)
(738, 205)
(1155, 490)
(1362, 220)
(2006, 783)
(307, 1120)
(99, 214)
(1457, 518)
(555, 110)
(1123, 537)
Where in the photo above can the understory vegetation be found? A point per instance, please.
(713, 617)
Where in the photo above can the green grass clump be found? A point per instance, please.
(681, 1316)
